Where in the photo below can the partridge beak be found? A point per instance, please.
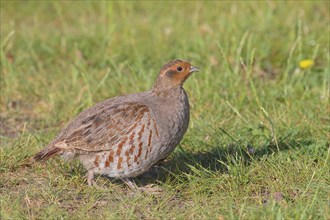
(193, 69)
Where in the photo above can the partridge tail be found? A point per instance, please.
(46, 154)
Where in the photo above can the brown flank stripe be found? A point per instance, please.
(131, 138)
(149, 139)
(148, 124)
(96, 161)
(149, 143)
(139, 153)
(120, 146)
(141, 132)
(120, 160)
(127, 158)
(107, 163)
(109, 159)
(131, 150)
(156, 129)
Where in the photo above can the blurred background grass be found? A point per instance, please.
(259, 121)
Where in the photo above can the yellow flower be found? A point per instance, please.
(305, 64)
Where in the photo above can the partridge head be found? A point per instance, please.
(124, 136)
(174, 74)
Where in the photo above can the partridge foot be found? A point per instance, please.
(151, 189)
(148, 189)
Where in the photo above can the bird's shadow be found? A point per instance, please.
(216, 159)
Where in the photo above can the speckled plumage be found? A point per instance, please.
(124, 136)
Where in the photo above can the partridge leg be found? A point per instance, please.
(130, 184)
(90, 177)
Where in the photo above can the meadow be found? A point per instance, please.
(257, 146)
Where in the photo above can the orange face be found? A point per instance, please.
(178, 71)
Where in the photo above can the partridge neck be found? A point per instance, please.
(170, 92)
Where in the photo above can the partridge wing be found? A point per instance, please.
(108, 127)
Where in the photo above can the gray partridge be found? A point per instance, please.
(124, 136)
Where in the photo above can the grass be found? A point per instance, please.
(258, 142)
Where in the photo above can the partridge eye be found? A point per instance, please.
(179, 69)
